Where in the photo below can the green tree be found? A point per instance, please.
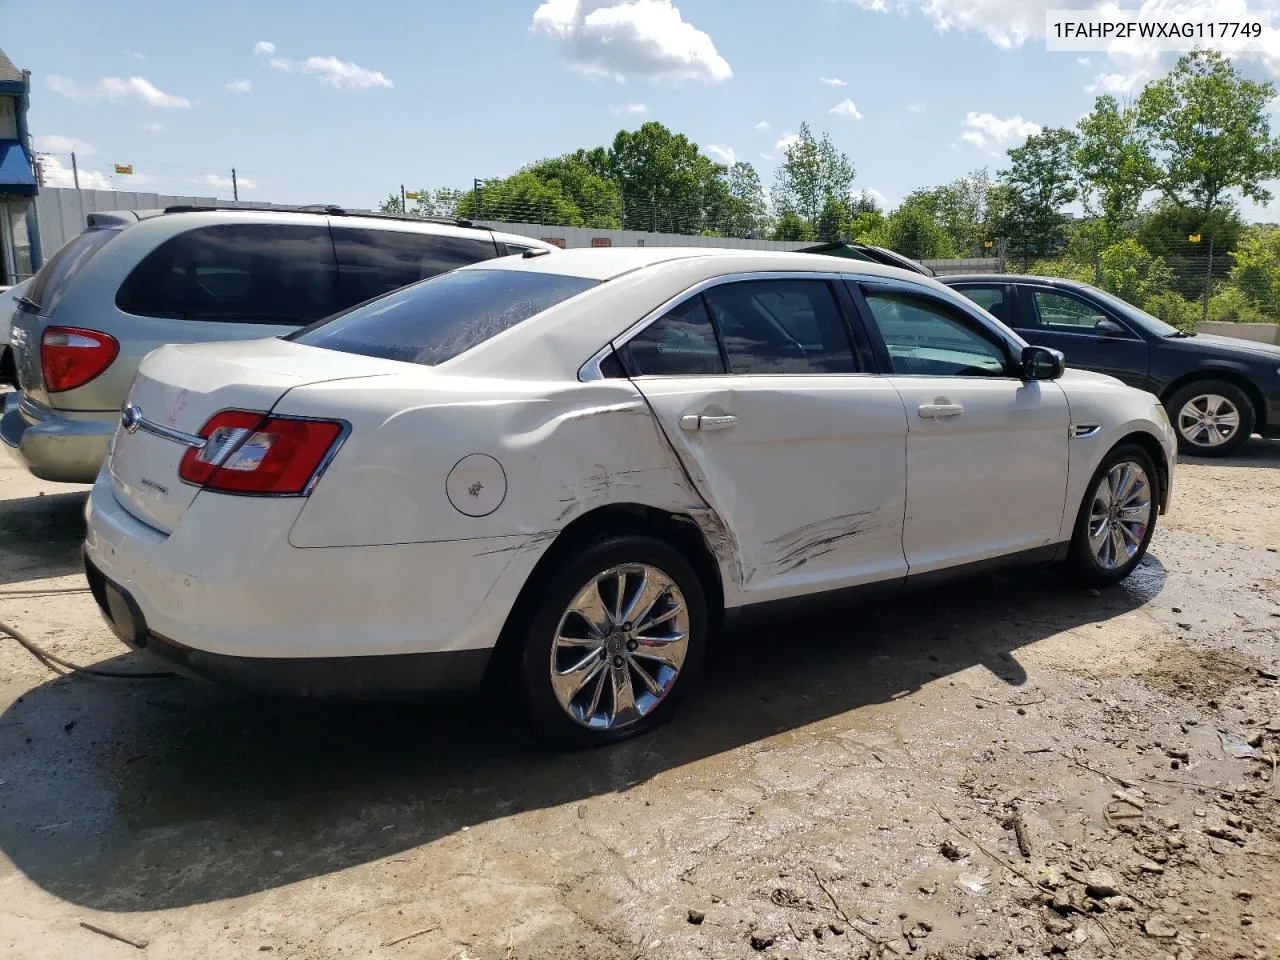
(582, 178)
(522, 197)
(791, 226)
(666, 183)
(832, 221)
(1115, 167)
(746, 212)
(1210, 133)
(1255, 269)
(391, 204)
(812, 171)
(1042, 176)
(913, 231)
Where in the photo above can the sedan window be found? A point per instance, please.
(924, 338)
(1059, 311)
(781, 326)
(991, 299)
(681, 343)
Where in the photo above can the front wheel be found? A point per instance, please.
(1213, 417)
(1116, 519)
(615, 643)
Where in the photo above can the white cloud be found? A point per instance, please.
(56, 143)
(762, 125)
(240, 86)
(630, 38)
(335, 72)
(264, 46)
(219, 182)
(1122, 84)
(630, 110)
(915, 107)
(846, 108)
(1083, 61)
(117, 89)
(54, 174)
(726, 155)
(785, 141)
(876, 195)
(766, 156)
(135, 55)
(834, 82)
(152, 127)
(986, 130)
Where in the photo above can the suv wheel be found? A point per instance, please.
(1117, 518)
(1213, 417)
(616, 640)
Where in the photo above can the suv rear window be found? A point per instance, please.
(237, 273)
(438, 319)
(372, 262)
(55, 276)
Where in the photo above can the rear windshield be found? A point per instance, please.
(55, 276)
(438, 319)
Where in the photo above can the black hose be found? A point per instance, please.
(65, 667)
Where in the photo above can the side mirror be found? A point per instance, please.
(1109, 328)
(1042, 363)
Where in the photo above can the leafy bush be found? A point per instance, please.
(1233, 305)
(1173, 309)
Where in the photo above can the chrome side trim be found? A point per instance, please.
(1081, 431)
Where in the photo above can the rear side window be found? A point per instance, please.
(55, 276)
(374, 262)
(681, 343)
(781, 326)
(438, 319)
(237, 273)
(990, 299)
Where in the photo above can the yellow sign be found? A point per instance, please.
(1194, 238)
(124, 168)
(410, 196)
(987, 244)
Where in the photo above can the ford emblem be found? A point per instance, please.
(131, 418)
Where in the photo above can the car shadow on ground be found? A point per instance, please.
(40, 536)
(1257, 452)
(129, 796)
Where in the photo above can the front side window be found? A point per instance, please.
(926, 338)
(1060, 311)
(374, 262)
(438, 319)
(681, 343)
(781, 326)
(237, 273)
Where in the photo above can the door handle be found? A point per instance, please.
(692, 421)
(939, 411)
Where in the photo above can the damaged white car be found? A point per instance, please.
(573, 467)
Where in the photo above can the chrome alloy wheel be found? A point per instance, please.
(1208, 420)
(619, 646)
(1119, 514)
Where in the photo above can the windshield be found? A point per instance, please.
(1141, 317)
(438, 319)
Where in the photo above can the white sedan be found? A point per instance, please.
(566, 470)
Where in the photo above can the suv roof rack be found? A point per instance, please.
(324, 209)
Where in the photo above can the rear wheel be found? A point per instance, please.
(618, 635)
(1213, 417)
(1116, 519)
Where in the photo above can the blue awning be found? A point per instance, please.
(15, 170)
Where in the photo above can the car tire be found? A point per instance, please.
(1193, 409)
(1102, 537)
(613, 656)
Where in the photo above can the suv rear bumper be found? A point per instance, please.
(54, 447)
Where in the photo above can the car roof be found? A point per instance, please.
(612, 262)
(1012, 278)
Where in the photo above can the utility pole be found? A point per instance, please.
(75, 171)
(235, 189)
(1208, 281)
(403, 208)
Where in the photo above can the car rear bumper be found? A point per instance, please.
(54, 447)
(225, 597)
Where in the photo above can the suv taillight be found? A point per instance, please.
(257, 454)
(71, 356)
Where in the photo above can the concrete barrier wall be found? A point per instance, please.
(1257, 332)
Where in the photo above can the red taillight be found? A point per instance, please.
(71, 356)
(254, 453)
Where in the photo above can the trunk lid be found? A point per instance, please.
(179, 388)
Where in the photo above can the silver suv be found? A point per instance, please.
(136, 280)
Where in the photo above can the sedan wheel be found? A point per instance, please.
(613, 635)
(619, 647)
(1208, 420)
(1120, 514)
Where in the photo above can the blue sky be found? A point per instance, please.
(342, 102)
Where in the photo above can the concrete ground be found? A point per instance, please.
(851, 785)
